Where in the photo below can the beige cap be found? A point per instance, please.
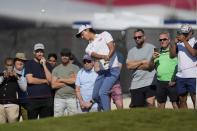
(20, 56)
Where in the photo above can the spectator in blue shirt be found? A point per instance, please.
(86, 78)
(19, 64)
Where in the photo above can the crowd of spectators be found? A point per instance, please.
(40, 88)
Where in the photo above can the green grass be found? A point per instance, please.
(123, 120)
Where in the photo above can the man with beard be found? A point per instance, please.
(138, 60)
(38, 77)
(63, 76)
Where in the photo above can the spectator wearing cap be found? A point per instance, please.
(184, 46)
(38, 75)
(9, 108)
(19, 68)
(85, 81)
(63, 76)
(102, 48)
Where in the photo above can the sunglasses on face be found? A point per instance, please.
(164, 39)
(87, 61)
(137, 37)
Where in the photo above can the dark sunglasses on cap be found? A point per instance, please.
(137, 37)
(164, 39)
(87, 61)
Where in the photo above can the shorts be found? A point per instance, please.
(116, 92)
(164, 90)
(139, 96)
(185, 85)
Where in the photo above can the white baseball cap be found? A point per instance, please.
(39, 46)
(186, 28)
(82, 28)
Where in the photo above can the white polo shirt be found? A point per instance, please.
(186, 62)
(99, 45)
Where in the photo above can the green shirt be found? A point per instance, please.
(62, 71)
(166, 67)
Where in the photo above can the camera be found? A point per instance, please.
(156, 50)
(9, 69)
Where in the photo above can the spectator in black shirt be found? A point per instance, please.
(38, 75)
(9, 108)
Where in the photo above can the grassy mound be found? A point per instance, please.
(122, 120)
